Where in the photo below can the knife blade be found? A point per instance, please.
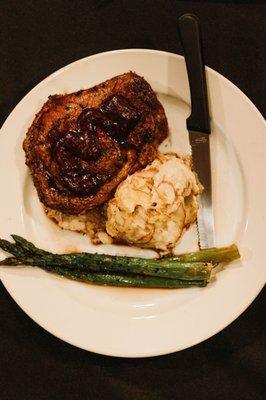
(198, 124)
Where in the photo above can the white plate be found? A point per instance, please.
(138, 322)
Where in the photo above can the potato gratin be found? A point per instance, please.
(153, 207)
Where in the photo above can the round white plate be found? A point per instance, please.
(138, 322)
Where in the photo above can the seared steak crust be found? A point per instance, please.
(81, 145)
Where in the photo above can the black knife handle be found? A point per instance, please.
(190, 33)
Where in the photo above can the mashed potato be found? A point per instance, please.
(91, 223)
(153, 207)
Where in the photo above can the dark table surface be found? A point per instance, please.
(37, 38)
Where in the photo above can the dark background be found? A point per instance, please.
(37, 38)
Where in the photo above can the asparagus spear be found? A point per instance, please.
(213, 254)
(27, 246)
(179, 271)
(126, 280)
(11, 261)
(11, 248)
(116, 264)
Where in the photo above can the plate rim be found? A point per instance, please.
(92, 57)
(130, 50)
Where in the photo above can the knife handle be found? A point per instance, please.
(190, 33)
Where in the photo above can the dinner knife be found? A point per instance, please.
(198, 124)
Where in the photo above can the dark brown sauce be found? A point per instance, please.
(75, 150)
(121, 117)
(81, 181)
(117, 117)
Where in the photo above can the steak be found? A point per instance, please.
(81, 145)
